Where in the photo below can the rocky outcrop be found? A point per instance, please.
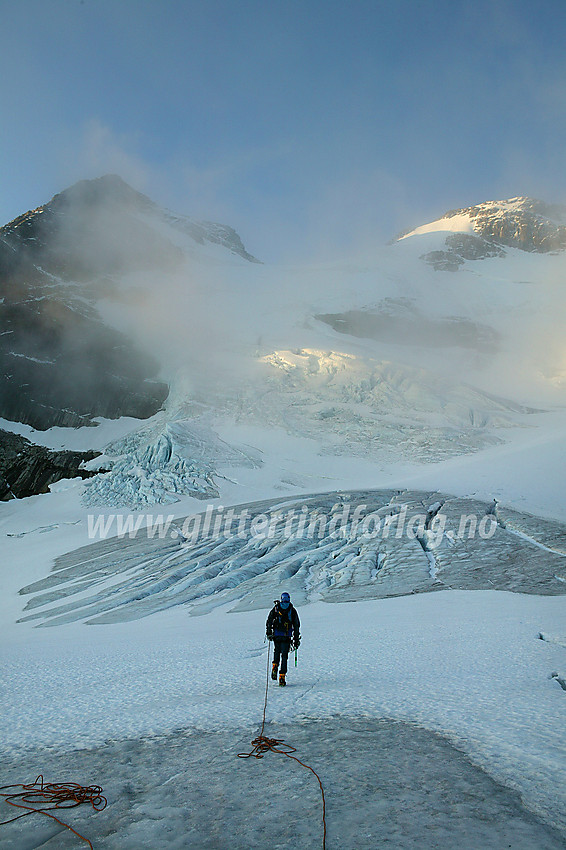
(209, 231)
(62, 367)
(524, 223)
(27, 469)
(461, 247)
(398, 320)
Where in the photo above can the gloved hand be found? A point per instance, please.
(269, 635)
(297, 642)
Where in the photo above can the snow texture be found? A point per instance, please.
(412, 790)
(469, 666)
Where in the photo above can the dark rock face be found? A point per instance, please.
(460, 247)
(443, 261)
(27, 469)
(61, 365)
(399, 321)
(93, 229)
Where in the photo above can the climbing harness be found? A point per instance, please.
(37, 796)
(262, 745)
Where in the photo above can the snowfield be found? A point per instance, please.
(156, 709)
(469, 665)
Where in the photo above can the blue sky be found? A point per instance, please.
(315, 127)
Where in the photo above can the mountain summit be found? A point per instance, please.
(486, 229)
(105, 226)
(61, 363)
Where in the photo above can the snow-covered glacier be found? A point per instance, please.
(343, 404)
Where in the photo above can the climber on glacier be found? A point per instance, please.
(282, 627)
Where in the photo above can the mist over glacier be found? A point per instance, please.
(420, 350)
(357, 356)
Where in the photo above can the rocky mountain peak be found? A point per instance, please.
(62, 363)
(521, 222)
(486, 229)
(115, 222)
(80, 201)
(101, 191)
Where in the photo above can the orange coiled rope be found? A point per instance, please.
(262, 745)
(45, 797)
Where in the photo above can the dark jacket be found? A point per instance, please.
(283, 624)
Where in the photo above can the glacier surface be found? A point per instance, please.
(335, 547)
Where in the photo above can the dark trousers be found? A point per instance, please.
(281, 647)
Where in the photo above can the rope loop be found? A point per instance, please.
(44, 797)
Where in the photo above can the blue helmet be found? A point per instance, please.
(285, 601)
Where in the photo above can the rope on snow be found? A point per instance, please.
(262, 745)
(44, 797)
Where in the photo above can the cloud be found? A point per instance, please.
(104, 151)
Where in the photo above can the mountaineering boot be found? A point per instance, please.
(274, 667)
(282, 681)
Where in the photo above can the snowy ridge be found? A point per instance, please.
(209, 231)
(457, 223)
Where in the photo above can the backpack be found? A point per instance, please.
(282, 620)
